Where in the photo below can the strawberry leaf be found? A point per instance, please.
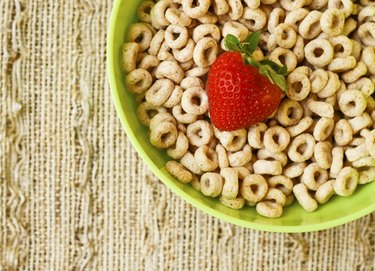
(283, 70)
(251, 42)
(232, 43)
(278, 80)
(250, 60)
(273, 71)
(276, 67)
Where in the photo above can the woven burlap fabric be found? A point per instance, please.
(74, 195)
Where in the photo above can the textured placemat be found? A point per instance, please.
(74, 193)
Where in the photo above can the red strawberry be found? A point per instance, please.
(242, 91)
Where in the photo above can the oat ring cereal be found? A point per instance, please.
(276, 139)
(319, 140)
(253, 19)
(194, 101)
(159, 92)
(310, 27)
(319, 52)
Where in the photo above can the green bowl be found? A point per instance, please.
(338, 211)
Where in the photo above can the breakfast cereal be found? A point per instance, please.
(320, 141)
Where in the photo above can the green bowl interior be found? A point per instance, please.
(338, 211)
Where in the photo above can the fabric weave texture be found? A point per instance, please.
(74, 195)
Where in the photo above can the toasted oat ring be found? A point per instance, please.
(285, 36)
(235, 28)
(157, 14)
(299, 86)
(323, 128)
(366, 32)
(179, 171)
(354, 74)
(272, 204)
(324, 192)
(292, 4)
(174, 98)
(352, 103)
(211, 184)
(276, 17)
(343, 132)
(206, 158)
(177, 17)
(276, 139)
(365, 85)
(186, 53)
(222, 156)
(188, 161)
(303, 197)
(282, 183)
(301, 148)
(322, 109)
(236, 203)
(205, 52)
(255, 135)
(289, 58)
(342, 46)
(240, 158)
(346, 182)
(195, 11)
(310, 28)
(161, 117)
(323, 154)
(294, 170)
(146, 111)
(144, 10)
(331, 87)
(235, 9)
(231, 185)
(264, 154)
(180, 147)
(205, 30)
(346, 6)
(295, 17)
(129, 56)
(318, 79)
(199, 133)
(159, 92)
(341, 64)
(360, 122)
(164, 135)
(367, 176)
(368, 57)
(181, 116)
(141, 34)
(254, 19)
(319, 52)
(318, 4)
(195, 101)
(170, 70)
(138, 80)
(267, 167)
(182, 36)
(314, 176)
(220, 7)
(301, 127)
(332, 21)
(233, 141)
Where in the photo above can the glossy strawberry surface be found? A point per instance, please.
(239, 96)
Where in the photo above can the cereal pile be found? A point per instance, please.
(321, 140)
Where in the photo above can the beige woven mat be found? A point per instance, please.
(74, 193)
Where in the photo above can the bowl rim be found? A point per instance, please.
(172, 186)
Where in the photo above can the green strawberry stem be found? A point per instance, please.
(273, 71)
